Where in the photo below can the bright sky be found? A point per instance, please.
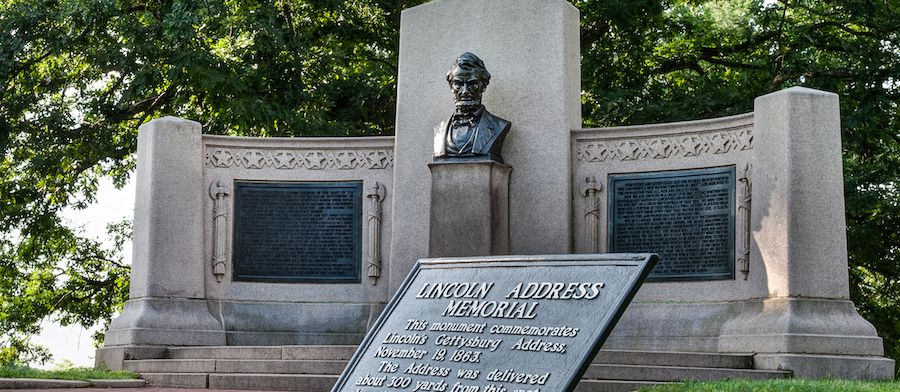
(73, 342)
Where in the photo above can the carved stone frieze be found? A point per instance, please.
(299, 159)
(720, 141)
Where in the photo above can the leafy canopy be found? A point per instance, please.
(77, 77)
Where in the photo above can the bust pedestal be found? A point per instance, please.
(469, 209)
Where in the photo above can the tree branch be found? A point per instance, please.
(841, 26)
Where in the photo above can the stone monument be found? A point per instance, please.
(758, 197)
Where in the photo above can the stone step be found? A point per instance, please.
(262, 352)
(273, 382)
(326, 367)
(345, 352)
(704, 360)
(613, 385)
(334, 367)
(262, 366)
(307, 383)
(676, 373)
(225, 352)
(177, 380)
(316, 368)
(164, 366)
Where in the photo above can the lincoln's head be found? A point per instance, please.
(468, 79)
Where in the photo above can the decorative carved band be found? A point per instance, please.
(312, 159)
(719, 141)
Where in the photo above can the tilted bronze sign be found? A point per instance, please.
(496, 324)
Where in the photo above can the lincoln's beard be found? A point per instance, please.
(468, 106)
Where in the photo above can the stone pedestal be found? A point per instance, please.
(166, 304)
(799, 234)
(469, 209)
(521, 42)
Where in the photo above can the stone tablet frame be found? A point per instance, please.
(718, 199)
(447, 328)
(244, 263)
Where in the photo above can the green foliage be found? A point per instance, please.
(648, 61)
(792, 385)
(66, 372)
(77, 78)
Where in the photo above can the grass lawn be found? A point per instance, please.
(795, 385)
(64, 373)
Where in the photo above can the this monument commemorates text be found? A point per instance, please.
(493, 325)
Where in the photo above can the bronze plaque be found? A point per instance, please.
(496, 324)
(686, 217)
(297, 232)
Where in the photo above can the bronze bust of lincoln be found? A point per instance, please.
(471, 133)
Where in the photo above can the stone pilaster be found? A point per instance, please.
(167, 303)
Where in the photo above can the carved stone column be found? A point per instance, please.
(807, 323)
(217, 192)
(589, 190)
(166, 304)
(745, 195)
(376, 195)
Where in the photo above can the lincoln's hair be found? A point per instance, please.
(469, 62)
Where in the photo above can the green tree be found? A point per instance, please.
(79, 77)
(648, 61)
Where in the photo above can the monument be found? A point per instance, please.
(758, 198)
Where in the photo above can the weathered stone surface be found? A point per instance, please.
(469, 209)
(166, 303)
(319, 352)
(798, 206)
(280, 366)
(250, 323)
(172, 365)
(272, 382)
(165, 321)
(112, 356)
(179, 380)
(678, 327)
(801, 326)
(677, 373)
(799, 237)
(224, 352)
(168, 211)
(682, 359)
(829, 366)
(788, 299)
(520, 41)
